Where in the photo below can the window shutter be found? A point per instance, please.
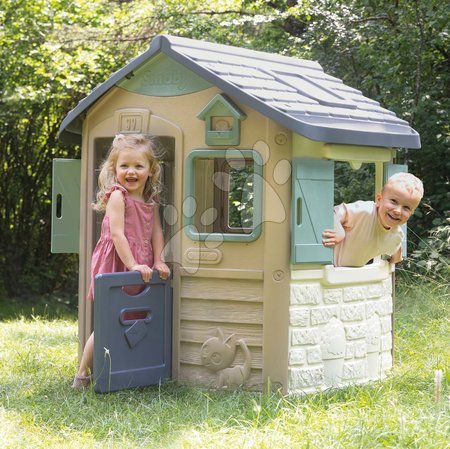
(390, 169)
(66, 206)
(312, 209)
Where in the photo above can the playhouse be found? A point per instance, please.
(249, 142)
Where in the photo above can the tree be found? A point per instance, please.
(58, 52)
(397, 54)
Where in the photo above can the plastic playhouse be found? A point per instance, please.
(249, 142)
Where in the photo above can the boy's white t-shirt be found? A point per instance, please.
(365, 237)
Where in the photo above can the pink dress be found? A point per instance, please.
(138, 231)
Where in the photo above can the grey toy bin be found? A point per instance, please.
(133, 332)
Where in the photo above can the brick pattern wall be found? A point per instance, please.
(339, 334)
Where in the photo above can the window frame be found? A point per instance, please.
(189, 204)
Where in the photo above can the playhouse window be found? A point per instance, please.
(223, 195)
(234, 190)
(352, 184)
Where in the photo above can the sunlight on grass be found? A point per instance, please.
(38, 357)
(20, 431)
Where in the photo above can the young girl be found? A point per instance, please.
(131, 235)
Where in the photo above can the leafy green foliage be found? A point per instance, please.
(397, 54)
(352, 185)
(240, 196)
(431, 257)
(59, 50)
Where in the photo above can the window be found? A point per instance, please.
(223, 195)
(234, 190)
(353, 184)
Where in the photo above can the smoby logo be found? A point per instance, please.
(166, 78)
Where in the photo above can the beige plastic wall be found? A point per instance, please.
(278, 318)
(231, 288)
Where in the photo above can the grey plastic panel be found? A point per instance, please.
(133, 334)
(295, 93)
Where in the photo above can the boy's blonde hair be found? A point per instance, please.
(107, 177)
(411, 183)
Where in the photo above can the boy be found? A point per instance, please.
(366, 229)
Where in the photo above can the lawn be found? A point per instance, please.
(38, 409)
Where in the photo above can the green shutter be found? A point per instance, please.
(312, 209)
(390, 169)
(66, 206)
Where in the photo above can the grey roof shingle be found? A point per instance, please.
(296, 93)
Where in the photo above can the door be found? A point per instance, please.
(133, 332)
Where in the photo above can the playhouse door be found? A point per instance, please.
(133, 332)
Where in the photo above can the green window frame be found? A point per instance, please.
(214, 170)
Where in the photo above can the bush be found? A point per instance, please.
(431, 258)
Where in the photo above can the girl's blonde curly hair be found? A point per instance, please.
(107, 177)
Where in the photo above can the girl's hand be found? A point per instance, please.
(163, 269)
(145, 270)
(331, 238)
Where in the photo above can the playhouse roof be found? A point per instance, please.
(296, 93)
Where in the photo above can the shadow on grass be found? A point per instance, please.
(172, 414)
(158, 416)
(45, 306)
(155, 414)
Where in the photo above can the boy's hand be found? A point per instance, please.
(163, 269)
(331, 238)
(396, 257)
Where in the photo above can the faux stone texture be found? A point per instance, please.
(302, 294)
(299, 316)
(305, 337)
(339, 335)
(301, 378)
(322, 315)
(297, 357)
(314, 355)
(333, 295)
(353, 312)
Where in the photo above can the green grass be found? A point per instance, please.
(38, 357)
